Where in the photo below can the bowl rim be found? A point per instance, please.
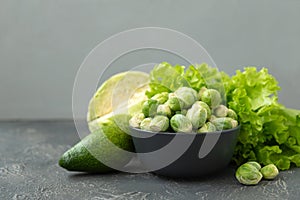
(192, 133)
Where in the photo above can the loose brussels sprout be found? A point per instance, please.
(211, 97)
(187, 95)
(164, 109)
(207, 127)
(269, 171)
(255, 164)
(181, 123)
(174, 102)
(248, 174)
(150, 107)
(197, 115)
(145, 124)
(136, 120)
(220, 111)
(161, 97)
(231, 114)
(159, 123)
(224, 123)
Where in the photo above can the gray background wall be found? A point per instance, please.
(43, 43)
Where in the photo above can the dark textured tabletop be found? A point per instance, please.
(28, 170)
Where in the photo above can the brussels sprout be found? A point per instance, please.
(164, 109)
(136, 120)
(161, 97)
(269, 171)
(255, 164)
(248, 174)
(204, 105)
(212, 118)
(187, 95)
(145, 124)
(207, 127)
(231, 114)
(220, 111)
(200, 93)
(174, 102)
(159, 123)
(197, 115)
(224, 123)
(181, 123)
(150, 107)
(211, 97)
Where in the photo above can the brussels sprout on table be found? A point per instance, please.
(159, 123)
(181, 123)
(255, 164)
(269, 171)
(197, 115)
(248, 174)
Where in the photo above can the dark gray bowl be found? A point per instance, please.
(217, 150)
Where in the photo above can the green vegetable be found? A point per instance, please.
(164, 109)
(270, 133)
(197, 115)
(204, 105)
(84, 156)
(159, 123)
(161, 97)
(166, 78)
(174, 102)
(221, 111)
(255, 164)
(136, 120)
(231, 114)
(150, 107)
(224, 123)
(187, 95)
(145, 124)
(269, 171)
(207, 127)
(181, 123)
(248, 174)
(211, 97)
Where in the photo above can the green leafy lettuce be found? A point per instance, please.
(270, 132)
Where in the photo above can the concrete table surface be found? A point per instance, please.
(29, 152)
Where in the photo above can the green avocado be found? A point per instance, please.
(85, 156)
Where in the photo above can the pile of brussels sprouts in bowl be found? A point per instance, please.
(185, 111)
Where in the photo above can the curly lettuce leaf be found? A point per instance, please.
(270, 133)
(166, 78)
